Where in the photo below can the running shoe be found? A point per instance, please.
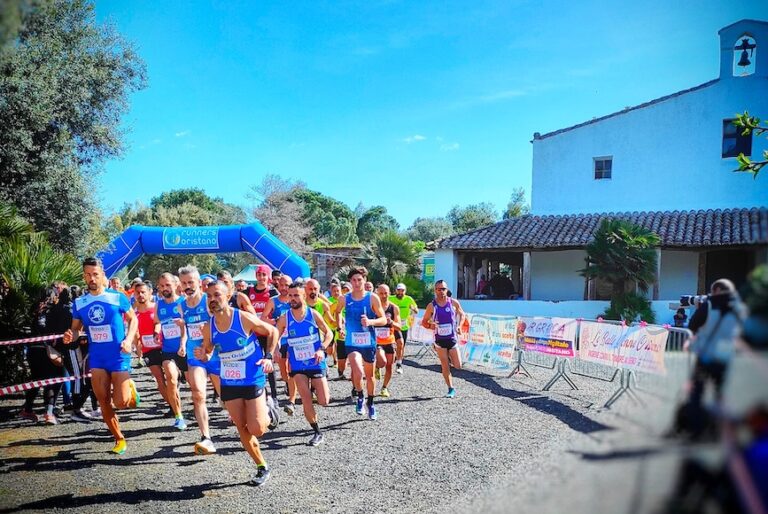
(97, 413)
(82, 416)
(120, 447)
(384, 393)
(205, 447)
(359, 406)
(134, 393)
(399, 369)
(289, 408)
(451, 393)
(28, 414)
(377, 374)
(274, 415)
(50, 419)
(68, 407)
(261, 476)
(372, 412)
(316, 439)
(180, 424)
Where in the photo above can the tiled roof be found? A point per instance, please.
(729, 227)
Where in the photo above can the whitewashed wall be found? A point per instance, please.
(679, 273)
(554, 275)
(666, 156)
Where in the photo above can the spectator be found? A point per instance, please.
(680, 318)
(482, 285)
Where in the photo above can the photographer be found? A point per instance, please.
(716, 324)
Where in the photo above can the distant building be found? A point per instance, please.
(666, 164)
(326, 261)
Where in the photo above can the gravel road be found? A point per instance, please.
(501, 445)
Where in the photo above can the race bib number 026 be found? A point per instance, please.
(234, 370)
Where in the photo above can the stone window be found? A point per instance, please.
(734, 142)
(603, 167)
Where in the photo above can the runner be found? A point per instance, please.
(276, 307)
(369, 286)
(308, 337)
(363, 312)
(408, 309)
(101, 313)
(445, 316)
(259, 295)
(241, 286)
(148, 337)
(237, 300)
(385, 339)
(338, 348)
(243, 364)
(196, 318)
(169, 316)
(314, 299)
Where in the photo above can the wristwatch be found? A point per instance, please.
(268, 355)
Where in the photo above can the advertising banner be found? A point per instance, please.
(638, 348)
(551, 336)
(491, 341)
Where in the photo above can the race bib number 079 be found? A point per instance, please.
(100, 334)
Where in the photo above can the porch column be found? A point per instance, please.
(658, 274)
(526, 275)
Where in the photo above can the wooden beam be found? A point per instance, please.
(526, 275)
(658, 275)
(701, 285)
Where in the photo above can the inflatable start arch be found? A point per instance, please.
(253, 238)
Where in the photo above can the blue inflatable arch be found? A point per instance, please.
(253, 238)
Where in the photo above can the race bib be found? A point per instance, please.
(361, 338)
(445, 329)
(303, 352)
(195, 330)
(171, 331)
(233, 370)
(149, 342)
(100, 334)
(382, 332)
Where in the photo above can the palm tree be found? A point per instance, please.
(28, 264)
(393, 254)
(624, 255)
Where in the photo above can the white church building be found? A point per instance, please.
(666, 165)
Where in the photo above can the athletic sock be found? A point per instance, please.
(360, 393)
(370, 401)
(262, 465)
(178, 416)
(49, 410)
(315, 427)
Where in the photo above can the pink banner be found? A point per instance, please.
(639, 348)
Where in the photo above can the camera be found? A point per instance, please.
(689, 299)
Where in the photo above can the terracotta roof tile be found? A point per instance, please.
(729, 227)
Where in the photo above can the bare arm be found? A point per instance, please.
(269, 308)
(133, 328)
(324, 329)
(427, 321)
(73, 334)
(460, 316)
(340, 314)
(244, 304)
(204, 351)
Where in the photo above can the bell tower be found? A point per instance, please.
(744, 50)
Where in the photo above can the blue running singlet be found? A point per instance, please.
(238, 352)
(303, 341)
(166, 313)
(357, 336)
(196, 318)
(102, 318)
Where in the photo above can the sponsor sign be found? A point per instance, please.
(551, 336)
(191, 238)
(638, 348)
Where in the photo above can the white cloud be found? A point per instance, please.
(449, 147)
(183, 133)
(414, 139)
(157, 141)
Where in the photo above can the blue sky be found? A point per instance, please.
(417, 106)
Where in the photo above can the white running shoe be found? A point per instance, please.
(205, 447)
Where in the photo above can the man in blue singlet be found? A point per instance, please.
(171, 320)
(196, 318)
(276, 307)
(307, 337)
(445, 316)
(233, 333)
(362, 312)
(101, 313)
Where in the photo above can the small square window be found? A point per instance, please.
(733, 142)
(603, 167)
